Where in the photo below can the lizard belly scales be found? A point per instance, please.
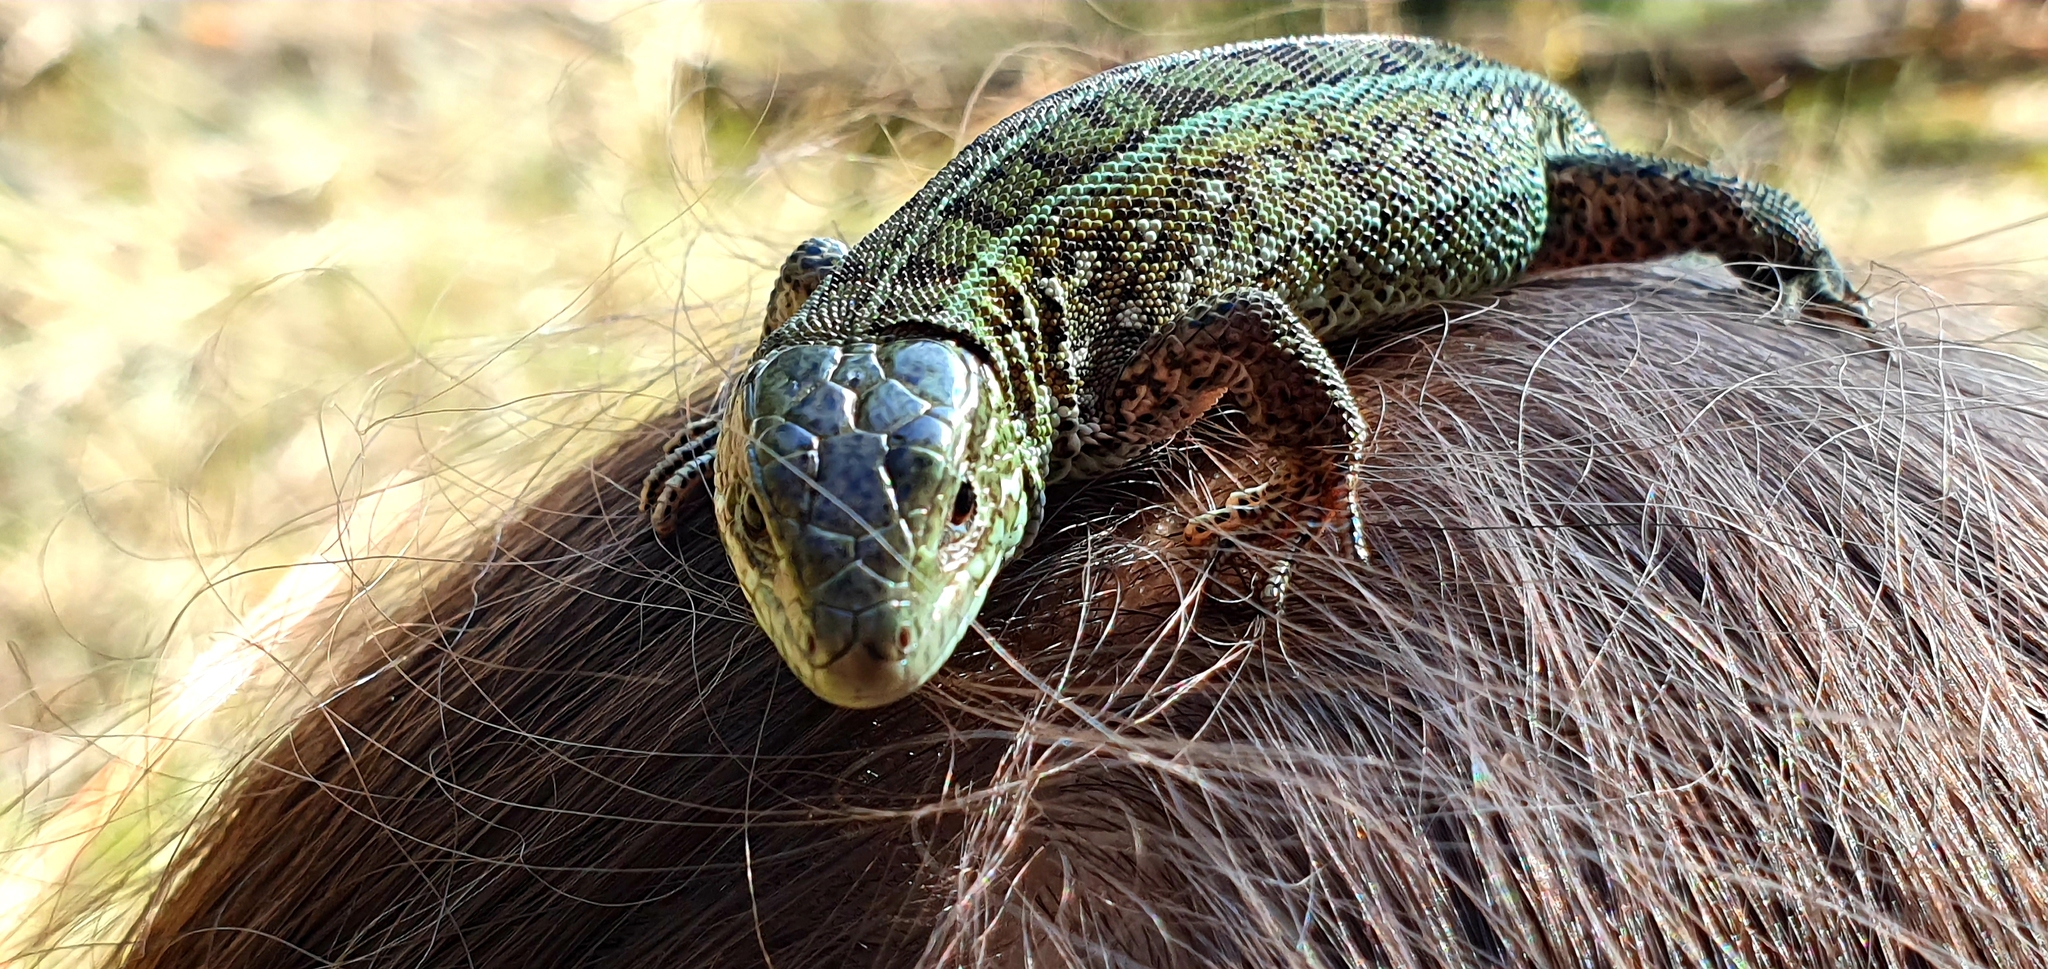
(1096, 272)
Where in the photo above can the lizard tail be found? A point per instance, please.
(1612, 206)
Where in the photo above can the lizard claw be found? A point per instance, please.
(681, 473)
(1263, 509)
(1239, 513)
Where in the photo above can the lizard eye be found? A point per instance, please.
(963, 505)
(752, 522)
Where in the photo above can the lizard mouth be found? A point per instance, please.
(862, 514)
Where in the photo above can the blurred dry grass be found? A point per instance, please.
(267, 264)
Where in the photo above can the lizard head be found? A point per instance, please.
(867, 502)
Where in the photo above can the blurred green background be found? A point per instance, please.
(263, 263)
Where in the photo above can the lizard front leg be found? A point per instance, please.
(1252, 351)
(686, 461)
(685, 464)
(802, 273)
(1613, 206)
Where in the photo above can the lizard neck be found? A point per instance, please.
(1008, 316)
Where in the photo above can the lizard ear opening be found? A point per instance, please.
(963, 505)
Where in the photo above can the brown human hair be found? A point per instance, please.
(1690, 635)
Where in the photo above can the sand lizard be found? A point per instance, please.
(1094, 273)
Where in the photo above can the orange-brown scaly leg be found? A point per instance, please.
(1252, 351)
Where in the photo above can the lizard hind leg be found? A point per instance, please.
(802, 273)
(1252, 351)
(1612, 206)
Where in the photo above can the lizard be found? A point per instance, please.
(1093, 274)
